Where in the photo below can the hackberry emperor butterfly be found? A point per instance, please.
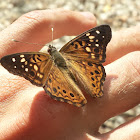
(64, 75)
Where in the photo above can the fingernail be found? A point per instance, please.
(88, 15)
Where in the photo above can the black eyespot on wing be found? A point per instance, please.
(71, 94)
(96, 50)
(92, 78)
(32, 73)
(97, 72)
(64, 91)
(91, 73)
(54, 89)
(76, 46)
(90, 64)
(50, 80)
(93, 85)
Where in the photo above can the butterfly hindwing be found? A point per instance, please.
(90, 76)
(32, 66)
(90, 45)
(60, 87)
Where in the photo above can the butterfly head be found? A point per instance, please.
(51, 49)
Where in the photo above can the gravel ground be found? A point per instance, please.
(117, 13)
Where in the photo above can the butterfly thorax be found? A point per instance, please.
(57, 57)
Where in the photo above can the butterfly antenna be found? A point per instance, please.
(52, 35)
(27, 42)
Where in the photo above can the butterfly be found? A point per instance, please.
(66, 74)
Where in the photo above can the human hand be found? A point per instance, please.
(28, 113)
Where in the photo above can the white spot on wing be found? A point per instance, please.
(22, 59)
(22, 66)
(91, 40)
(26, 69)
(22, 55)
(97, 31)
(88, 49)
(14, 59)
(97, 45)
(91, 37)
(41, 76)
(87, 34)
(92, 55)
(36, 67)
(25, 63)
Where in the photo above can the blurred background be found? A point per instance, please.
(117, 13)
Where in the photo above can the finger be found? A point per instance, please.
(122, 84)
(129, 130)
(122, 43)
(36, 27)
(121, 90)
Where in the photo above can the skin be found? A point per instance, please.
(27, 112)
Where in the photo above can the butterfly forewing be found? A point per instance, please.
(90, 45)
(33, 66)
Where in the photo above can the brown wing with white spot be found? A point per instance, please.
(90, 45)
(61, 87)
(33, 66)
